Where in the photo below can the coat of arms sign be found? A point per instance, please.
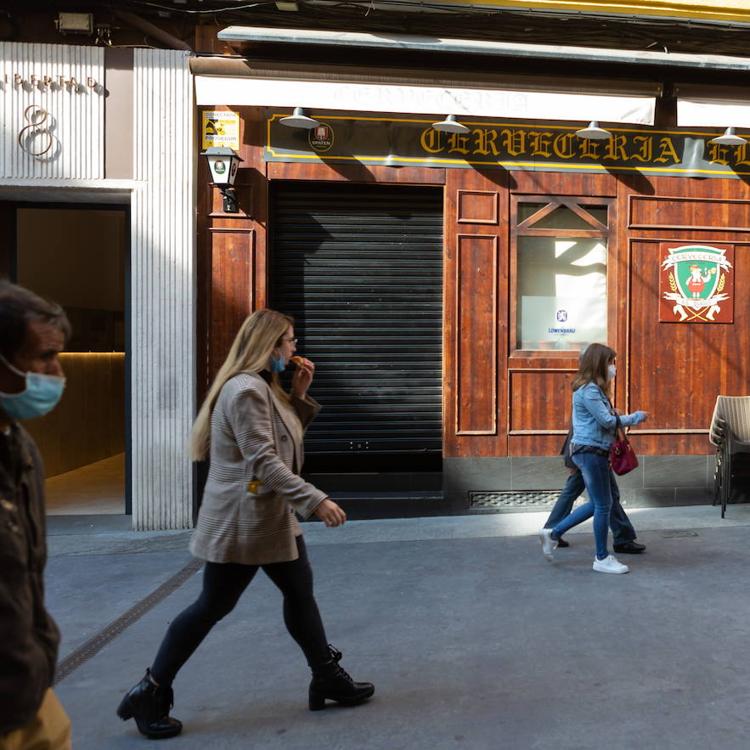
(696, 283)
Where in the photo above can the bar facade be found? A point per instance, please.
(549, 241)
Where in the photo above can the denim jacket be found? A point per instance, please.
(594, 420)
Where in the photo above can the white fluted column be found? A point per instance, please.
(162, 297)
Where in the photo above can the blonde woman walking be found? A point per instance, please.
(253, 432)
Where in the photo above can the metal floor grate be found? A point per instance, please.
(513, 500)
(95, 644)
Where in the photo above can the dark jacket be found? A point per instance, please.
(28, 635)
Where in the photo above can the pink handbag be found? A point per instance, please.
(622, 457)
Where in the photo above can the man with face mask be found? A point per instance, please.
(32, 335)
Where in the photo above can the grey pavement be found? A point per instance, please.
(472, 639)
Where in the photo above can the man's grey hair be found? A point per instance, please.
(19, 307)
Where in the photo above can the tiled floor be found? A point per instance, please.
(95, 488)
(473, 640)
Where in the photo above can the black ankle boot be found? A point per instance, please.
(149, 705)
(332, 682)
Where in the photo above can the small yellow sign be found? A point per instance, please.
(220, 129)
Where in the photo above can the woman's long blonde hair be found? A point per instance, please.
(593, 367)
(259, 335)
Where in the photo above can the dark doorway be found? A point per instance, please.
(360, 269)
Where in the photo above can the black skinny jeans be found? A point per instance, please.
(223, 584)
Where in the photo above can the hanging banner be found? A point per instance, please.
(696, 283)
(523, 146)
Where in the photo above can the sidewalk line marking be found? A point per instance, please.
(96, 643)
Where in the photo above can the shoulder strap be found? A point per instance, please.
(619, 429)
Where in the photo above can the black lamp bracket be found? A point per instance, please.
(229, 199)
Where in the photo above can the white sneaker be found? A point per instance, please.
(548, 543)
(610, 564)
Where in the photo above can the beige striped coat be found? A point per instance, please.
(253, 481)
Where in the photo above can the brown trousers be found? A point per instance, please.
(49, 730)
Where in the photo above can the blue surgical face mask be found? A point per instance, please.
(612, 371)
(41, 395)
(278, 364)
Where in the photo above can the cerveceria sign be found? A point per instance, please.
(526, 146)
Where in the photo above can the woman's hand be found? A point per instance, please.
(330, 513)
(641, 416)
(302, 378)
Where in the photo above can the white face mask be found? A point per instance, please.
(612, 371)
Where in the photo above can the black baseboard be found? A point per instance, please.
(373, 505)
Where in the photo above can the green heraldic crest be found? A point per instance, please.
(696, 284)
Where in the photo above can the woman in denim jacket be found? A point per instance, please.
(594, 422)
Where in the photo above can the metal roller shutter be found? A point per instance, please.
(360, 269)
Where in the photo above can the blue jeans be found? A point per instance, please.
(622, 529)
(596, 476)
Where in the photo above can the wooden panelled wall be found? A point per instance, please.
(499, 402)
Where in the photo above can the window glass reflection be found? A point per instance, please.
(562, 292)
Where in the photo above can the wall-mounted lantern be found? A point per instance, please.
(223, 163)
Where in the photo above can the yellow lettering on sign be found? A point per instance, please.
(559, 144)
(615, 148)
(564, 146)
(589, 149)
(458, 143)
(540, 144)
(718, 154)
(645, 146)
(513, 141)
(667, 151)
(740, 156)
(430, 141)
(485, 142)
